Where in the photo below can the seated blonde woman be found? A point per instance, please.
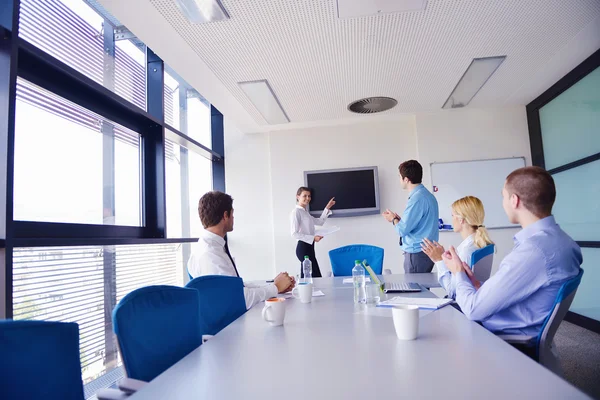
(467, 219)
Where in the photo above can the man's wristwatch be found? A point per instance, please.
(395, 218)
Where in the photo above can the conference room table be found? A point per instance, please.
(334, 349)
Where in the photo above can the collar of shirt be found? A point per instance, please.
(468, 240)
(208, 236)
(415, 190)
(300, 207)
(534, 228)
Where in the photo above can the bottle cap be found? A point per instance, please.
(306, 257)
(357, 261)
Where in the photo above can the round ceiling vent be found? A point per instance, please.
(372, 105)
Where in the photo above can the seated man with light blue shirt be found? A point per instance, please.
(419, 219)
(519, 297)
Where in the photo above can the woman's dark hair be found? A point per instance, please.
(302, 189)
(212, 206)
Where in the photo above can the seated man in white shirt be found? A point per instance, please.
(211, 255)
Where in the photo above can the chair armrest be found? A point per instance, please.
(206, 338)
(518, 339)
(111, 394)
(387, 271)
(130, 385)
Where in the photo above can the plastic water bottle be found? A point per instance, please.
(307, 270)
(358, 279)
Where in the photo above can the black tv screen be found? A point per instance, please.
(356, 191)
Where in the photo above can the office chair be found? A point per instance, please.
(40, 360)
(481, 262)
(156, 326)
(216, 314)
(343, 258)
(543, 342)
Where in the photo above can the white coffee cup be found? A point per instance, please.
(406, 321)
(274, 311)
(304, 292)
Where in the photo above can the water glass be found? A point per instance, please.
(373, 292)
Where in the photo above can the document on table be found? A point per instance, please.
(349, 280)
(316, 293)
(423, 303)
(326, 231)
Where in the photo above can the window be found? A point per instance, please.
(83, 284)
(570, 123)
(72, 165)
(564, 125)
(188, 177)
(88, 223)
(73, 32)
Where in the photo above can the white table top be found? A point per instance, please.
(331, 349)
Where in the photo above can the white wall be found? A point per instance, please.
(384, 144)
(248, 181)
(472, 134)
(263, 172)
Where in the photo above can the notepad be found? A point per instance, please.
(318, 293)
(424, 303)
(349, 280)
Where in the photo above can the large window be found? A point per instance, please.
(101, 196)
(565, 139)
(65, 163)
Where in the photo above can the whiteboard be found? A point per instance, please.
(483, 179)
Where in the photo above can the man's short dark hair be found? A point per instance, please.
(412, 170)
(535, 187)
(212, 206)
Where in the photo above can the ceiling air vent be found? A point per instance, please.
(372, 105)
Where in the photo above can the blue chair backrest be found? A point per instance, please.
(342, 259)
(40, 360)
(563, 301)
(221, 301)
(481, 262)
(156, 326)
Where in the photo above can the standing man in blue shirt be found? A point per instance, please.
(518, 298)
(419, 219)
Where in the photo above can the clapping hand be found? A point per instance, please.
(456, 265)
(433, 249)
(389, 215)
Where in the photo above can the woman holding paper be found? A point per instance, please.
(303, 229)
(467, 219)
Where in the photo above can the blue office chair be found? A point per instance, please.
(156, 326)
(481, 262)
(343, 258)
(542, 343)
(216, 314)
(40, 360)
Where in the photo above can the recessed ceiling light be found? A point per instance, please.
(476, 75)
(202, 11)
(265, 101)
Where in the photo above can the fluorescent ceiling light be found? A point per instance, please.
(265, 101)
(201, 11)
(478, 73)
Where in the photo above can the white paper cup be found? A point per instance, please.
(304, 292)
(406, 322)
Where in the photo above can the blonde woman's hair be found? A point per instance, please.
(471, 210)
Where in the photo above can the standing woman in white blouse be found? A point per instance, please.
(303, 229)
(467, 219)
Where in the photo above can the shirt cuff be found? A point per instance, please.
(459, 278)
(271, 291)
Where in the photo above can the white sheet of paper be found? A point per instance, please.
(318, 293)
(326, 231)
(349, 280)
(386, 312)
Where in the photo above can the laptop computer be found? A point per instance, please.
(392, 287)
